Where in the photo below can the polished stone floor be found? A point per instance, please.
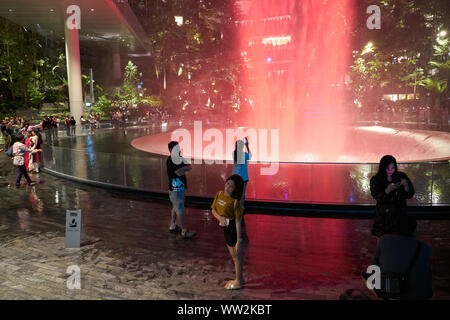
(134, 257)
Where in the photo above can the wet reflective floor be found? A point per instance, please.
(135, 257)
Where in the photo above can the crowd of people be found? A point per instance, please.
(423, 115)
(125, 114)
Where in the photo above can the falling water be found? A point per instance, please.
(297, 54)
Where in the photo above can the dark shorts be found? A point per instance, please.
(230, 234)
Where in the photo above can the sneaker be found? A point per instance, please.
(188, 234)
(177, 229)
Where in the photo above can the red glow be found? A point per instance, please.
(300, 91)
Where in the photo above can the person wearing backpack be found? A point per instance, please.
(404, 264)
(227, 209)
(18, 151)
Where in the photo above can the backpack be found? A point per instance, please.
(394, 284)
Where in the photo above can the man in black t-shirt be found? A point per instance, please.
(73, 124)
(176, 168)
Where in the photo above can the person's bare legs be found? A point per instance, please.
(173, 219)
(237, 260)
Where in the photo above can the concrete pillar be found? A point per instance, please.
(74, 73)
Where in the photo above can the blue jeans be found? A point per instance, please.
(177, 199)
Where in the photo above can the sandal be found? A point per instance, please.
(232, 286)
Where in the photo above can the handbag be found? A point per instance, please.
(9, 152)
(394, 284)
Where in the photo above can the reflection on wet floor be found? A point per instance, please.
(285, 258)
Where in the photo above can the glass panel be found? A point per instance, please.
(294, 182)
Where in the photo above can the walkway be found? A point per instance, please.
(136, 258)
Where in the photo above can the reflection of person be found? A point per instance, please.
(227, 209)
(177, 186)
(396, 252)
(390, 188)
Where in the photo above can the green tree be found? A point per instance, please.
(18, 52)
(439, 75)
(405, 48)
(189, 57)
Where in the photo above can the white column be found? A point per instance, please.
(74, 73)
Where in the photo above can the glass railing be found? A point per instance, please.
(295, 182)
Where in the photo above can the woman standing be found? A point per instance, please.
(240, 168)
(28, 158)
(37, 145)
(227, 209)
(19, 150)
(390, 188)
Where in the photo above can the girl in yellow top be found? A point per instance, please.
(227, 209)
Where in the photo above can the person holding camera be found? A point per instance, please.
(240, 159)
(390, 188)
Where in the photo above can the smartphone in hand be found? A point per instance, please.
(227, 223)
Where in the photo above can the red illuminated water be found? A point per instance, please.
(297, 54)
(365, 145)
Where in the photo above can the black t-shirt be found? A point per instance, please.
(72, 122)
(176, 183)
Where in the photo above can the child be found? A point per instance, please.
(227, 209)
